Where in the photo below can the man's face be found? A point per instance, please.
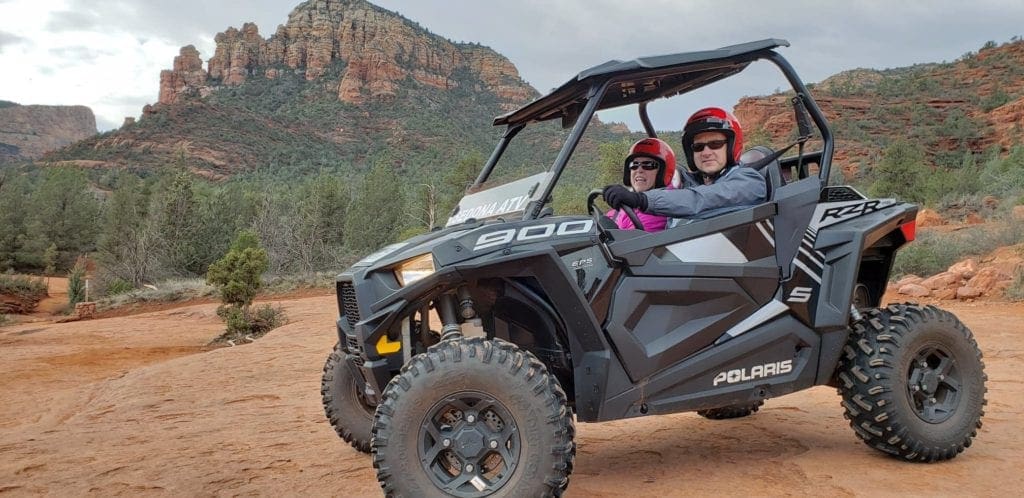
(710, 160)
(643, 173)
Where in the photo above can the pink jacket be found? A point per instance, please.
(652, 222)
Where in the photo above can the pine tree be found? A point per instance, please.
(128, 248)
(373, 219)
(61, 211)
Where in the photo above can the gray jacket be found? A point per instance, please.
(739, 187)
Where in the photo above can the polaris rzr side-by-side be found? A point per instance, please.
(545, 320)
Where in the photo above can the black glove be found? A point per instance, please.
(618, 196)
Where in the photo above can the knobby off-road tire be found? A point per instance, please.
(473, 417)
(344, 404)
(913, 383)
(731, 411)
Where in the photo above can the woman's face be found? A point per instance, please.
(643, 173)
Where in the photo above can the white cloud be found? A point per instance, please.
(108, 55)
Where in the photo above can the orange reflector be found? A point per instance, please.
(385, 346)
(909, 230)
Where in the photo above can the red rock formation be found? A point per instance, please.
(29, 131)
(185, 79)
(380, 49)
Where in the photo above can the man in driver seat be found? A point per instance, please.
(715, 182)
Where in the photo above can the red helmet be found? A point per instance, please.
(713, 119)
(655, 149)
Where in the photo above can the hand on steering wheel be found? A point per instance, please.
(619, 197)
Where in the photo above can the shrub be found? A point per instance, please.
(237, 277)
(119, 286)
(3, 319)
(933, 252)
(76, 284)
(249, 323)
(165, 291)
(27, 291)
(237, 274)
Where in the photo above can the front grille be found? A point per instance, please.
(353, 345)
(347, 293)
(840, 194)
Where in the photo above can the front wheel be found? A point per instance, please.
(913, 383)
(473, 417)
(344, 403)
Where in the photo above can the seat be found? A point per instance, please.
(756, 157)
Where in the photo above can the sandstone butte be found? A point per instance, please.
(29, 131)
(378, 47)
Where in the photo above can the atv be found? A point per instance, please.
(466, 355)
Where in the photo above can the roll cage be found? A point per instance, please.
(638, 82)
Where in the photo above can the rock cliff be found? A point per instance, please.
(868, 108)
(379, 50)
(29, 131)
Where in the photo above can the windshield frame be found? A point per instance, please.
(587, 105)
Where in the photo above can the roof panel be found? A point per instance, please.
(643, 79)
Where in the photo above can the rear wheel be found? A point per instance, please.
(731, 411)
(344, 403)
(473, 417)
(913, 382)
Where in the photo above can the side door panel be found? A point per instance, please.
(688, 286)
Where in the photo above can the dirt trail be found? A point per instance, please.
(136, 406)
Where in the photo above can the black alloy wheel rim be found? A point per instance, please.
(361, 396)
(469, 444)
(934, 384)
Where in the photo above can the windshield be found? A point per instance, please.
(523, 167)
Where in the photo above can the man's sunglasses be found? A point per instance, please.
(713, 145)
(646, 165)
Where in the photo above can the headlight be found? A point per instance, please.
(414, 269)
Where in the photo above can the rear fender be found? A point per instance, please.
(843, 247)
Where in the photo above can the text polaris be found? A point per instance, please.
(756, 372)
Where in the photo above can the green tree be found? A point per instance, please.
(128, 248)
(50, 259)
(76, 283)
(611, 157)
(176, 224)
(63, 211)
(13, 196)
(374, 218)
(237, 274)
(902, 173)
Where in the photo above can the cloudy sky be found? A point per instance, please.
(107, 54)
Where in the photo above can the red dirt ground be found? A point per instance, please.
(137, 405)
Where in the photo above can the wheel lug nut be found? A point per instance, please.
(470, 419)
(924, 364)
(446, 443)
(469, 468)
(494, 444)
(942, 377)
(915, 388)
(931, 400)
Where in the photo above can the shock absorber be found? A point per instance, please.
(450, 328)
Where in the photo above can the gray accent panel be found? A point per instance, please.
(712, 248)
(771, 310)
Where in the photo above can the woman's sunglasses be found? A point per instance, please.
(713, 145)
(646, 165)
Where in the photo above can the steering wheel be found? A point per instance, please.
(628, 210)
